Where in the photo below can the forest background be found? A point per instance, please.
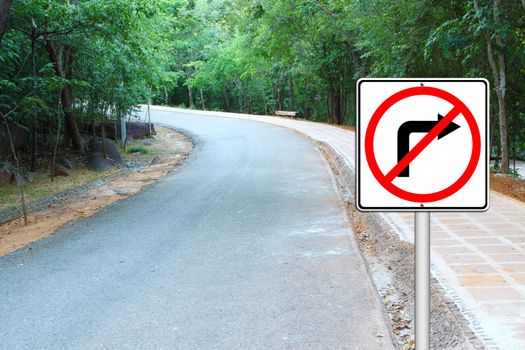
(65, 64)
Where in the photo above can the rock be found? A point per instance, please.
(155, 160)
(97, 162)
(96, 146)
(136, 130)
(139, 130)
(20, 137)
(29, 176)
(6, 174)
(23, 178)
(61, 170)
(66, 163)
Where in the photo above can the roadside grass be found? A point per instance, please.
(140, 151)
(160, 145)
(42, 186)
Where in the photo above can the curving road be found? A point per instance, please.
(245, 247)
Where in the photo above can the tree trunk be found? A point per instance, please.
(241, 94)
(503, 125)
(292, 92)
(34, 139)
(5, 8)
(71, 133)
(227, 98)
(18, 169)
(190, 96)
(502, 91)
(93, 125)
(500, 82)
(275, 96)
(57, 141)
(203, 101)
(336, 106)
(103, 135)
(281, 97)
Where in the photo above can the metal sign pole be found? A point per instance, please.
(422, 280)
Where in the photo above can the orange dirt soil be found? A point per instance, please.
(508, 186)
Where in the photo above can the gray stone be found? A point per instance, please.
(97, 162)
(66, 163)
(20, 138)
(23, 178)
(61, 170)
(96, 146)
(29, 176)
(6, 175)
(136, 130)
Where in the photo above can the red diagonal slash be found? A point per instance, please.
(421, 145)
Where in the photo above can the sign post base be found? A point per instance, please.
(422, 280)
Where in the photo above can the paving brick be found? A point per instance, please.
(508, 233)
(473, 233)
(508, 258)
(517, 239)
(463, 227)
(513, 267)
(498, 249)
(453, 250)
(482, 279)
(439, 235)
(519, 277)
(484, 241)
(452, 221)
(495, 293)
(445, 242)
(463, 259)
(501, 225)
(473, 269)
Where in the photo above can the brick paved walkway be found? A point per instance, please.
(478, 257)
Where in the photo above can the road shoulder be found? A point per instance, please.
(52, 213)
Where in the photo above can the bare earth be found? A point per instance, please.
(508, 186)
(43, 223)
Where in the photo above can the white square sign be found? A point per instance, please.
(422, 145)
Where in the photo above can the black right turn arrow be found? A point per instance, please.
(407, 128)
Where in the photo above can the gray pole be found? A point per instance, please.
(422, 280)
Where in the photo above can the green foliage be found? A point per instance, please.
(138, 149)
(112, 55)
(257, 56)
(252, 56)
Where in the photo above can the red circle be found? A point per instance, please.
(421, 197)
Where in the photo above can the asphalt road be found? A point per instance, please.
(244, 247)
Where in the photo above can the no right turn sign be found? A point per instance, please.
(422, 144)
